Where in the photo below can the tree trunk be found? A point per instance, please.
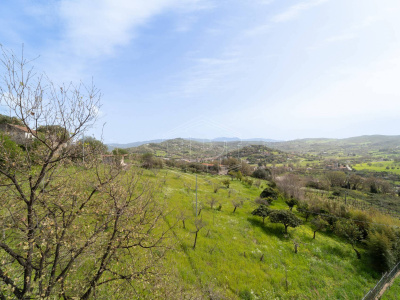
(286, 226)
(183, 222)
(195, 240)
(358, 253)
(234, 209)
(314, 235)
(263, 220)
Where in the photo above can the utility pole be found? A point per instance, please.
(196, 195)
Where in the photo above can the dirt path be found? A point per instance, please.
(386, 286)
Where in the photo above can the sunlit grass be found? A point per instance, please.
(381, 166)
(238, 256)
(393, 292)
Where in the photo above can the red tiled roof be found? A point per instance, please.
(23, 128)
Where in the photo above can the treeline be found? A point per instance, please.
(339, 179)
(149, 161)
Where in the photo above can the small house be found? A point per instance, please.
(19, 134)
(113, 159)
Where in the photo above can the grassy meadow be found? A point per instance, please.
(381, 166)
(239, 257)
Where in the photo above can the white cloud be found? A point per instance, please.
(293, 11)
(95, 28)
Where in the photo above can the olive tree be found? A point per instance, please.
(285, 217)
(70, 227)
(304, 209)
(349, 230)
(261, 211)
(237, 203)
(318, 224)
(291, 202)
(199, 224)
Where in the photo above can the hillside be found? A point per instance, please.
(112, 146)
(354, 147)
(130, 145)
(362, 145)
(239, 257)
(190, 149)
(260, 154)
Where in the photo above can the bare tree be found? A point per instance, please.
(183, 217)
(290, 185)
(212, 201)
(199, 224)
(71, 226)
(336, 178)
(237, 203)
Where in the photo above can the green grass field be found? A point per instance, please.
(381, 166)
(237, 257)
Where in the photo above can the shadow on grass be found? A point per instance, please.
(364, 266)
(269, 228)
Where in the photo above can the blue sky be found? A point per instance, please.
(206, 68)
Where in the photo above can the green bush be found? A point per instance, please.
(262, 174)
(379, 249)
(9, 152)
(291, 202)
(269, 192)
(245, 295)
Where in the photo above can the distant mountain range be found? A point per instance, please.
(219, 139)
(134, 144)
(361, 145)
(233, 139)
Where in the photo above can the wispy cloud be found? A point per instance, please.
(295, 10)
(95, 29)
(205, 74)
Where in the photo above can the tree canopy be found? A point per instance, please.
(269, 192)
(285, 217)
(318, 224)
(291, 202)
(262, 211)
(262, 174)
(119, 151)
